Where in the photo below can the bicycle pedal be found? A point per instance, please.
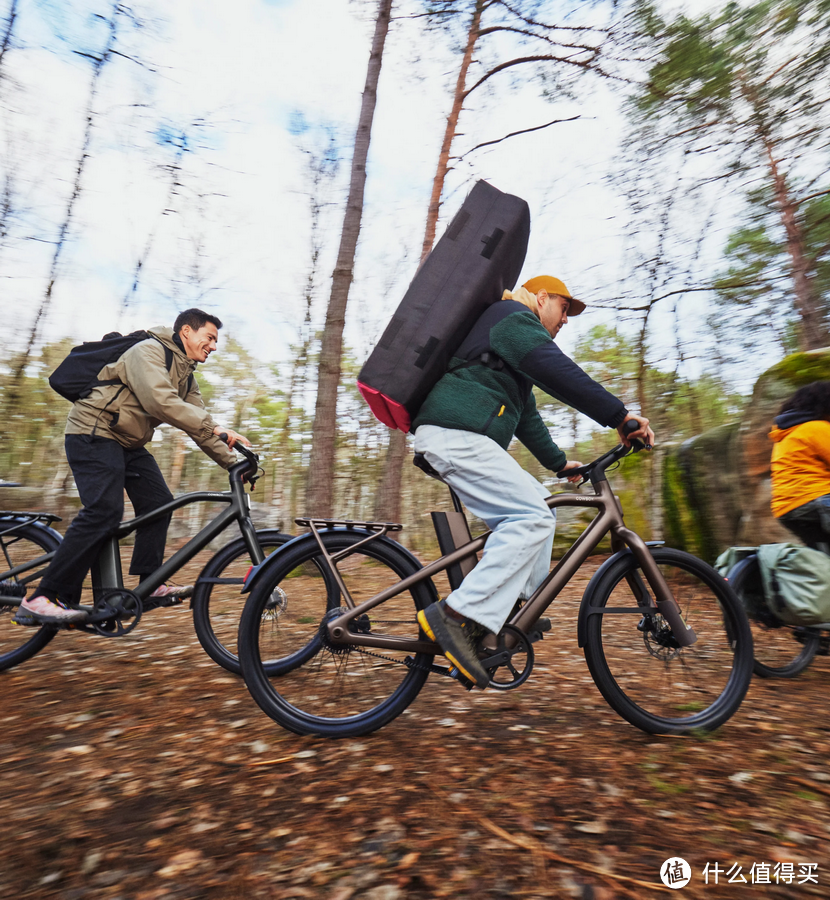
(465, 682)
(538, 631)
(12, 590)
(161, 603)
(32, 622)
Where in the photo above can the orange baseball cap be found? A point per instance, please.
(554, 286)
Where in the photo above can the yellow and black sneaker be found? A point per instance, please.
(456, 639)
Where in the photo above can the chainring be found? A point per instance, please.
(511, 645)
(116, 613)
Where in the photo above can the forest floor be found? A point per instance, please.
(136, 769)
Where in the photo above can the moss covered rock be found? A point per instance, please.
(716, 486)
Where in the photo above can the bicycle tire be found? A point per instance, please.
(217, 606)
(17, 643)
(339, 691)
(781, 651)
(654, 686)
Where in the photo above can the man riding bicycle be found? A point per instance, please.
(105, 437)
(801, 464)
(464, 428)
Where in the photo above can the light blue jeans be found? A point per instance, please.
(494, 487)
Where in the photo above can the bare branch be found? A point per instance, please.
(7, 37)
(533, 23)
(802, 200)
(515, 133)
(586, 65)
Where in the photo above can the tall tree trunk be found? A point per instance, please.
(812, 332)
(7, 34)
(98, 63)
(388, 497)
(450, 131)
(320, 484)
(388, 501)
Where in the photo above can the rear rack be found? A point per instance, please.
(348, 523)
(376, 530)
(30, 517)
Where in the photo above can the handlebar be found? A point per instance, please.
(595, 471)
(251, 458)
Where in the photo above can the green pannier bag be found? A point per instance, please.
(752, 592)
(796, 583)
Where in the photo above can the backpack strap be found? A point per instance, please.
(489, 359)
(168, 362)
(492, 361)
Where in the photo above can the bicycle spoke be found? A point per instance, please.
(321, 686)
(645, 675)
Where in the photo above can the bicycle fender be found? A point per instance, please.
(588, 596)
(19, 520)
(256, 571)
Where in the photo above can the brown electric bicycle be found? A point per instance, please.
(666, 640)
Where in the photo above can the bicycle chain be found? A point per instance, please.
(437, 670)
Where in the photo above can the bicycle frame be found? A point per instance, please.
(608, 518)
(106, 571)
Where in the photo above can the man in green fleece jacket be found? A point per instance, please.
(106, 434)
(464, 428)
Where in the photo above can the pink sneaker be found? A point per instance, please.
(42, 611)
(166, 590)
(167, 595)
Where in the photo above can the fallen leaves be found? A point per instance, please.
(174, 786)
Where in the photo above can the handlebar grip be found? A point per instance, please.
(570, 473)
(224, 437)
(636, 444)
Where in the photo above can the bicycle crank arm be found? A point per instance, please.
(497, 659)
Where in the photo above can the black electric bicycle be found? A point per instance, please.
(28, 542)
(666, 640)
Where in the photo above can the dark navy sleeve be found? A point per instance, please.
(558, 375)
(522, 342)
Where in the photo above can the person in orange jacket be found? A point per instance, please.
(801, 464)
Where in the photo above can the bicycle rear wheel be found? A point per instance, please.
(218, 599)
(318, 687)
(21, 547)
(781, 651)
(650, 682)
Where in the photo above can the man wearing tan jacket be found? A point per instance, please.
(106, 433)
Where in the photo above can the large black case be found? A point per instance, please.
(479, 257)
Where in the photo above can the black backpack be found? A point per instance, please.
(77, 376)
(480, 255)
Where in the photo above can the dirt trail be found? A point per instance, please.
(136, 769)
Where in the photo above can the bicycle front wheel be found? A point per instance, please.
(318, 687)
(781, 651)
(218, 599)
(644, 676)
(21, 550)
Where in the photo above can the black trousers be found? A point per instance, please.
(103, 470)
(811, 522)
